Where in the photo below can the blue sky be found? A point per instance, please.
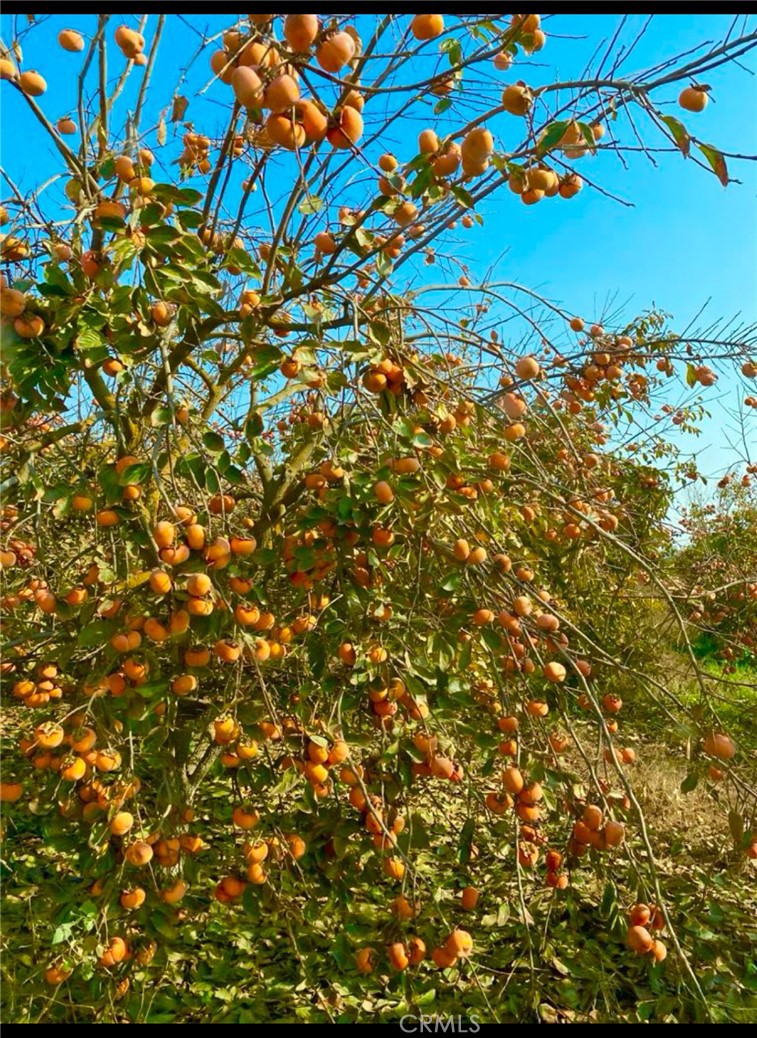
(686, 243)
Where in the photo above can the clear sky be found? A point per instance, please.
(685, 244)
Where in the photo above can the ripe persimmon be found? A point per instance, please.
(383, 492)
(570, 185)
(173, 894)
(693, 99)
(55, 975)
(121, 823)
(512, 780)
(71, 40)
(639, 940)
(49, 735)
(554, 671)
(286, 132)
(459, 943)
(139, 853)
(469, 898)
(427, 26)
(719, 745)
(10, 792)
(115, 951)
(300, 31)
(527, 367)
(443, 958)
(404, 909)
(348, 129)
(365, 960)
(614, 833)
(639, 915)
(335, 52)
(29, 326)
(397, 955)
(12, 302)
(245, 818)
(133, 898)
(416, 950)
(517, 99)
(281, 94)
(32, 83)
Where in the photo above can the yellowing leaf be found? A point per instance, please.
(679, 132)
(180, 105)
(716, 161)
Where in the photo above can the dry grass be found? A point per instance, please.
(674, 818)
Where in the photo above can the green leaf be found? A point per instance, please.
(395, 180)
(466, 840)
(204, 281)
(136, 473)
(108, 479)
(428, 998)
(179, 195)
(609, 898)
(163, 926)
(421, 839)
(111, 223)
(161, 416)
(265, 556)
(453, 50)
(214, 443)
(690, 782)
(193, 466)
(190, 220)
(381, 332)
(56, 277)
(89, 339)
(551, 137)
(242, 260)
(383, 265)
(421, 182)
(492, 639)
(267, 359)
(153, 688)
(464, 197)
(736, 825)
(451, 582)
(716, 161)
(63, 932)
(309, 205)
(96, 633)
(588, 136)
(164, 235)
(251, 901)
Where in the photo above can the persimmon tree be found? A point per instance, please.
(716, 566)
(326, 582)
